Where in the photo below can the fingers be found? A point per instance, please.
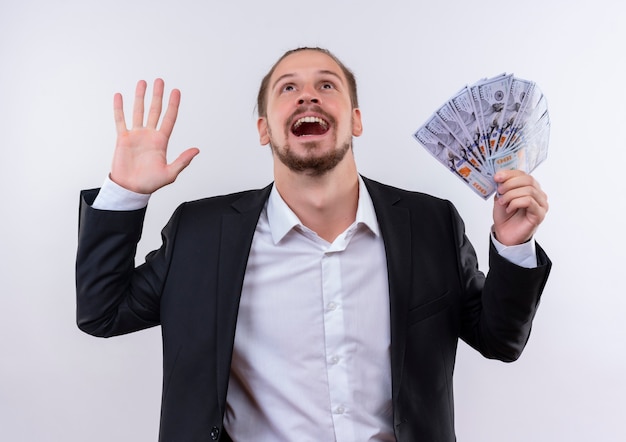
(169, 119)
(180, 163)
(154, 113)
(157, 101)
(140, 93)
(518, 190)
(520, 207)
(118, 113)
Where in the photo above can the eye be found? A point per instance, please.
(288, 88)
(327, 85)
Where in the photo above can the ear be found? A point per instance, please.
(357, 125)
(261, 126)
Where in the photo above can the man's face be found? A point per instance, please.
(310, 121)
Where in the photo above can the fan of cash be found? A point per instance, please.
(497, 123)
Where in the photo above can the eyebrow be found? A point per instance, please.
(323, 72)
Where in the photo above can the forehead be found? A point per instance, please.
(306, 62)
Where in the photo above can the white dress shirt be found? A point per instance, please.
(312, 345)
(311, 360)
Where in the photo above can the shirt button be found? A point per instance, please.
(340, 410)
(331, 307)
(334, 360)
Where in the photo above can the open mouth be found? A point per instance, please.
(309, 126)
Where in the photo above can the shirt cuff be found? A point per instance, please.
(523, 255)
(112, 196)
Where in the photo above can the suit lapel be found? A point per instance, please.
(395, 225)
(238, 229)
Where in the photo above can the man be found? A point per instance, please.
(324, 307)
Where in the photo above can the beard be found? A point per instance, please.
(310, 162)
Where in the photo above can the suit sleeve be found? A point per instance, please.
(498, 310)
(112, 296)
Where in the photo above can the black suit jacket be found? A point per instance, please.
(192, 284)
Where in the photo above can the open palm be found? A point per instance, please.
(140, 159)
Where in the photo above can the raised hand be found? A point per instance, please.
(520, 207)
(140, 158)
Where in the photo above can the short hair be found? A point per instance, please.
(262, 97)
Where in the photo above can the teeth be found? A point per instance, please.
(310, 120)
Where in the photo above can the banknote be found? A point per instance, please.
(463, 107)
(442, 131)
(463, 169)
(497, 123)
(520, 88)
(451, 123)
(493, 96)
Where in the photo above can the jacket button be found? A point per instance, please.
(215, 433)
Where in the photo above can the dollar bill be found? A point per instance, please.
(468, 147)
(461, 168)
(520, 89)
(462, 105)
(497, 123)
(441, 130)
(493, 95)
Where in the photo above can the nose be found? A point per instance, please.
(308, 95)
(312, 100)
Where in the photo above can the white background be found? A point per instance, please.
(62, 61)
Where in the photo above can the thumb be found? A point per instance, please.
(183, 160)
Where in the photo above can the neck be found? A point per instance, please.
(326, 204)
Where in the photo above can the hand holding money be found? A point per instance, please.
(519, 208)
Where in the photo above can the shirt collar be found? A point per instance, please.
(281, 218)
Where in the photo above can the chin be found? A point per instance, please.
(316, 161)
